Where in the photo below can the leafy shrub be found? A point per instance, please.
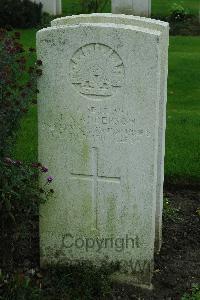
(20, 195)
(46, 20)
(20, 13)
(17, 85)
(74, 281)
(18, 287)
(178, 13)
(18, 179)
(89, 6)
(169, 212)
(194, 293)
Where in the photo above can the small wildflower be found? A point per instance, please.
(49, 179)
(44, 170)
(35, 165)
(8, 160)
(17, 163)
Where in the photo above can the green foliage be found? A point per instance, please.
(93, 6)
(170, 213)
(183, 114)
(164, 7)
(18, 287)
(20, 13)
(194, 293)
(19, 192)
(81, 281)
(20, 195)
(178, 13)
(17, 85)
(46, 20)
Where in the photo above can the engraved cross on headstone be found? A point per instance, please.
(95, 178)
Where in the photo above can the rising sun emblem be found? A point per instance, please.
(97, 70)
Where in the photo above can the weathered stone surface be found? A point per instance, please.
(163, 27)
(132, 7)
(53, 7)
(98, 134)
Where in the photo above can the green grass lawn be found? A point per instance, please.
(183, 113)
(159, 7)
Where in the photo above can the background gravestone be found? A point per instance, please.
(98, 133)
(163, 27)
(132, 7)
(53, 7)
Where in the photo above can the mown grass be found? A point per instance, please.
(183, 113)
(159, 7)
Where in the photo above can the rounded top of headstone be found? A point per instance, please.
(109, 17)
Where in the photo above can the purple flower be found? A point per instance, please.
(44, 170)
(49, 179)
(17, 163)
(35, 165)
(8, 160)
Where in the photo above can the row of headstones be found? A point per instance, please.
(132, 7)
(136, 7)
(52, 7)
(102, 107)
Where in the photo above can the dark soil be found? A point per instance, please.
(177, 267)
(185, 29)
(188, 25)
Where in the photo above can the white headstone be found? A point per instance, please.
(132, 7)
(52, 7)
(163, 27)
(98, 134)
